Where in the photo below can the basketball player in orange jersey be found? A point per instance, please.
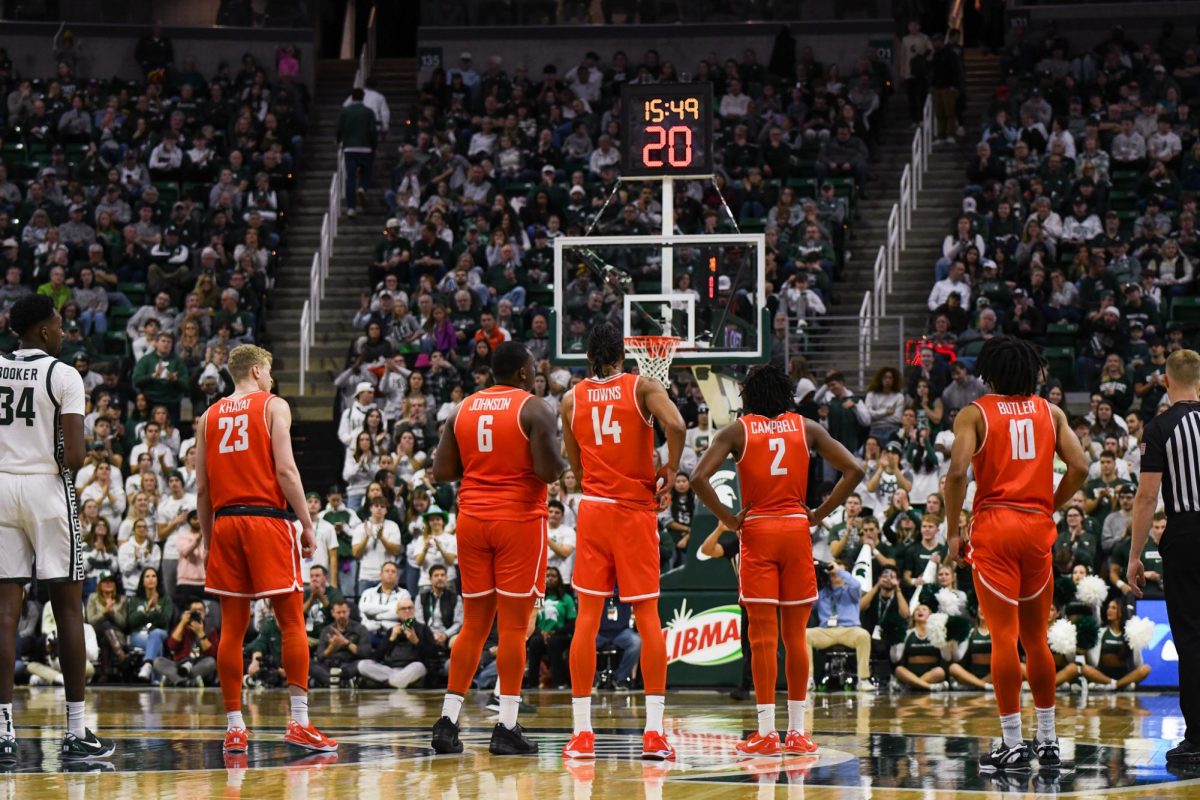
(502, 443)
(776, 580)
(245, 479)
(1009, 439)
(608, 433)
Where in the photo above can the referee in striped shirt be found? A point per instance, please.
(1171, 460)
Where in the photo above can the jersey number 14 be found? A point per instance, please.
(1020, 433)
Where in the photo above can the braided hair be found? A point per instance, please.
(767, 391)
(1011, 366)
(605, 346)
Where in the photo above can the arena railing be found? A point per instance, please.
(319, 271)
(912, 179)
(866, 336)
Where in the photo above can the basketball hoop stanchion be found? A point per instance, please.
(653, 355)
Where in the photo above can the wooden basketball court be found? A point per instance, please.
(904, 746)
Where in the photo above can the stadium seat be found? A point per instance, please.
(1062, 364)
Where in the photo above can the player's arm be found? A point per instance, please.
(711, 546)
(729, 439)
(837, 456)
(286, 472)
(447, 463)
(1071, 452)
(540, 426)
(966, 440)
(203, 498)
(660, 405)
(73, 405)
(570, 445)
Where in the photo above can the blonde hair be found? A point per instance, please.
(1183, 367)
(244, 357)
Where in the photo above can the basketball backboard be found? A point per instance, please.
(707, 290)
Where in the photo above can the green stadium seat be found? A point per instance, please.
(753, 224)
(136, 292)
(1185, 309)
(116, 344)
(1061, 334)
(1062, 364)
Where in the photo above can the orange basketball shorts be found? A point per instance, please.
(777, 565)
(503, 556)
(1011, 552)
(253, 557)
(616, 544)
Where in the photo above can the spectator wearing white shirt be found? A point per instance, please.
(433, 546)
(170, 517)
(166, 159)
(374, 100)
(586, 79)
(483, 142)
(163, 460)
(560, 541)
(105, 488)
(135, 554)
(954, 283)
(1082, 225)
(1164, 144)
(377, 605)
(375, 542)
(955, 246)
(605, 155)
(354, 416)
(735, 106)
(325, 552)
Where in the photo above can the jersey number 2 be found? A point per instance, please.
(1020, 433)
(232, 427)
(23, 410)
(778, 447)
(605, 427)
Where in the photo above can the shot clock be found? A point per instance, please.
(668, 130)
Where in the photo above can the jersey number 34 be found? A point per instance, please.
(23, 408)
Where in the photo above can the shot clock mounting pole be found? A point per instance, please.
(668, 228)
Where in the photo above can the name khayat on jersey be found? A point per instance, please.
(773, 426)
(231, 406)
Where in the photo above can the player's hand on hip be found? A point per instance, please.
(664, 480)
(308, 543)
(1135, 576)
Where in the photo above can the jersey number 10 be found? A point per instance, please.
(1020, 433)
(234, 436)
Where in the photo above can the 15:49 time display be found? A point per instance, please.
(668, 130)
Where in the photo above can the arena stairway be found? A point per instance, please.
(938, 203)
(353, 247)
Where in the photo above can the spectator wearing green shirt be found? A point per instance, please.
(162, 376)
(266, 654)
(319, 599)
(1151, 559)
(1102, 491)
(56, 288)
(922, 552)
(149, 620)
(1075, 537)
(551, 637)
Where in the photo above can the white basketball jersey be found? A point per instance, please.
(35, 391)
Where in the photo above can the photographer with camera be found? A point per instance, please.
(265, 667)
(838, 595)
(343, 644)
(884, 605)
(191, 647)
(408, 653)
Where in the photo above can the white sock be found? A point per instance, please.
(451, 706)
(509, 706)
(300, 708)
(581, 710)
(655, 703)
(75, 719)
(766, 718)
(1010, 728)
(6, 722)
(1045, 724)
(233, 719)
(796, 715)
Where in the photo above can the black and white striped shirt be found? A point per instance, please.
(1171, 446)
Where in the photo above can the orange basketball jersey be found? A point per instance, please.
(1014, 464)
(773, 467)
(238, 455)
(616, 440)
(498, 479)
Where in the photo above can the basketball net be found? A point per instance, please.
(653, 355)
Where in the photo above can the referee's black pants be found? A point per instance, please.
(1180, 549)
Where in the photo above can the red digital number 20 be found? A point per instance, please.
(666, 139)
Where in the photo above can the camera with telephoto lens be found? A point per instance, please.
(823, 569)
(407, 623)
(195, 616)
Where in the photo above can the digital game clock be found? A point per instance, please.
(667, 131)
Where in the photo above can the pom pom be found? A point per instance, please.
(958, 629)
(1087, 632)
(950, 602)
(928, 596)
(1091, 590)
(1139, 633)
(935, 630)
(892, 629)
(1064, 590)
(1062, 637)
